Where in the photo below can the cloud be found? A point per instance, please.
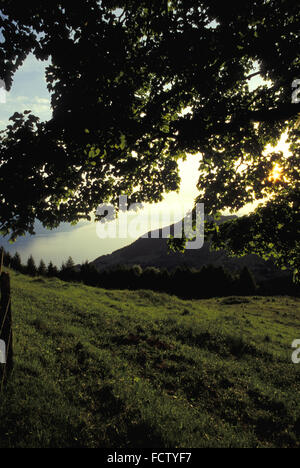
(28, 92)
(39, 106)
(16, 100)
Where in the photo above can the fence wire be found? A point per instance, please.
(6, 316)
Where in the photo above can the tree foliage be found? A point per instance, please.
(52, 270)
(120, 77)
(42, 269)
(31, 266)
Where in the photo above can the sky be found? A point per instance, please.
(29, 91)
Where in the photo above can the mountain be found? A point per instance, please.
(151, 251)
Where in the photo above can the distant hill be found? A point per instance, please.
(150, 251)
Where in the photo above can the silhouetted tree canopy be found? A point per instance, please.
(120, 77)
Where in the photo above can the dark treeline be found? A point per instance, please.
(184, 282)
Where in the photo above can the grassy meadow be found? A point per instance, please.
(120, 369)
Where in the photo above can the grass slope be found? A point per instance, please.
(97, 368)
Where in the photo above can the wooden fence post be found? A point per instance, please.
(6, 334)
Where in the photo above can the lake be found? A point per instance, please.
(80, 242)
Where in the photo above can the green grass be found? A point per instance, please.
(97, 368)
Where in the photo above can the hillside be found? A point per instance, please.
(151, 251)
(97, 368)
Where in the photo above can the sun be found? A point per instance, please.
(276, 174)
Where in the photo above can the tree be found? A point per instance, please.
(70, 263)
(7, 259)
(16, 263)
(31, 267)
(52, 270)
(151, 278)
(121, 74)
(89, 274)
(67, 271)
(42, 269)
(246, 284)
